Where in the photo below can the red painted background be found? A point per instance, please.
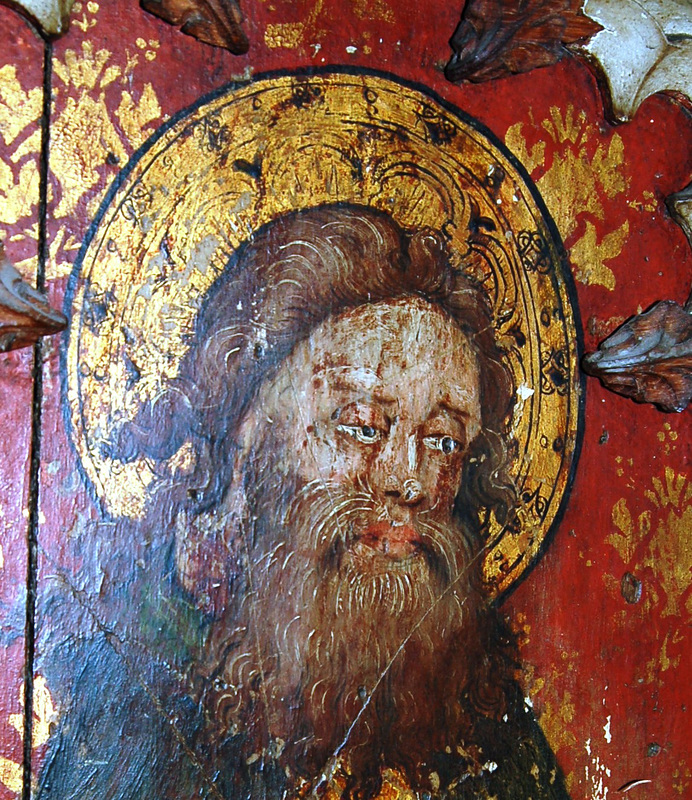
(609, 680)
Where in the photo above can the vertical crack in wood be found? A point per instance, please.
(35, 445)
(329, 772)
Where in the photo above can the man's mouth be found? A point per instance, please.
(395, 541)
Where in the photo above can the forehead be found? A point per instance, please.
(394, 343)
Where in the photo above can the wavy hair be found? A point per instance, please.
(291, 275)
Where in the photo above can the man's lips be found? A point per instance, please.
(395, 541)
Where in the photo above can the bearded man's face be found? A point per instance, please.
(358, 610)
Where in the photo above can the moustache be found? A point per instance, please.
(340, 526)
(341, 601)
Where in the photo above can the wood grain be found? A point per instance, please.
(215, 22)
(495, 39)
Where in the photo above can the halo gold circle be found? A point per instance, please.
(203, 184)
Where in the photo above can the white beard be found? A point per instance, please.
(342, 650)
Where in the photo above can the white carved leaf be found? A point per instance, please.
(645, 47)
(52, 15)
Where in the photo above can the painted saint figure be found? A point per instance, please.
(307, 612)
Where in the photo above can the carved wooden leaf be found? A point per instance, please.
(25, 315)
(680, 207)
(645, 47)
(52, 16)
(649, 358)
(215, 22)
(496, 38)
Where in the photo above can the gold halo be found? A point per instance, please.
(211, 177)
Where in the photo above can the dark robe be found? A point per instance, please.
(128, 730)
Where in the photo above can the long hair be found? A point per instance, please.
(291, 275)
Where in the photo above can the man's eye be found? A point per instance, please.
(446, 444)
(365, 434)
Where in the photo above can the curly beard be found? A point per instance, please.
(333, 652)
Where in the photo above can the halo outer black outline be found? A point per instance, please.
(327, 70)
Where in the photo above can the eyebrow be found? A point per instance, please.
(376, 392)
(461, 414)
(357, 381)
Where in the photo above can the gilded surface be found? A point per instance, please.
(655, 543)
(595, 246)
(43, 717)
(86, 134)
(247, 157)
(574, 183)
(20, 110)
(98, 119)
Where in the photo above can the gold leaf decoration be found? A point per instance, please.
(11, 775)
(655, 548)
(91, 84)
(514, 139)
(588, 255)
(18, 197)
(575, 180)
(17, 107)
(630, 535)
(44, 716)
(555, 703)
(135, 116)
(20, 110)
(85, 123)
(581, 171)
(88, 11)
(288, 35)
(374, 9)
(28, 147)
(669, 552)
(44, 713)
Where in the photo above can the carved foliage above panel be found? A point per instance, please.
(215, 22)
(496, 38)
(52, 16)
(25, 314)
(639, 46)
(649, 358)
(645, 47)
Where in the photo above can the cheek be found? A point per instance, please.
(442, 482)
(352, 464)
(323, 455)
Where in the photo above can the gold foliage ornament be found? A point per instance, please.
(246, 155)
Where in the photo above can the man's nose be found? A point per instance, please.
(408, 493)
(399, 471)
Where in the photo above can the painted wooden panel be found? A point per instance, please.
(20, 109)
(141, 565)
